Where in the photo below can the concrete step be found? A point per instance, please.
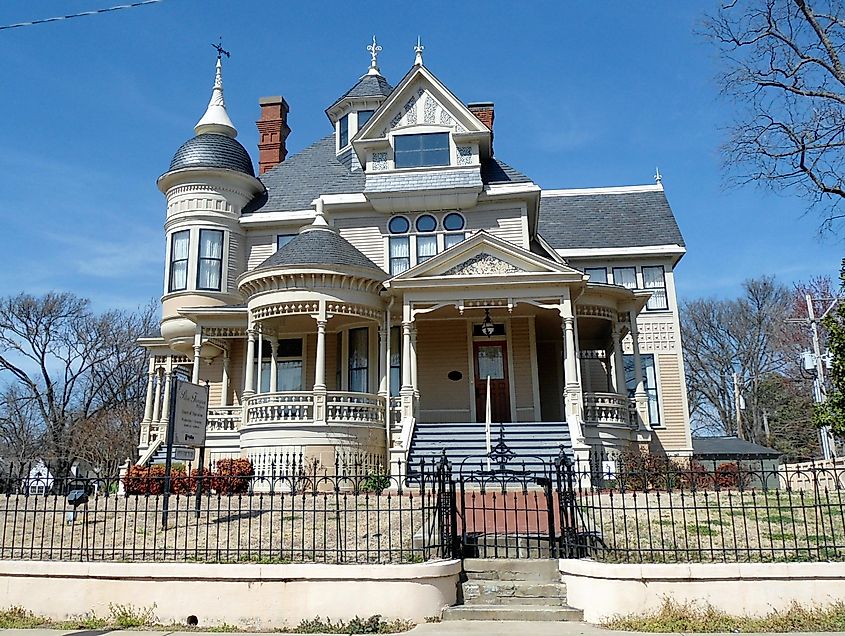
(475, 589)
(511, 613)
(534, 570)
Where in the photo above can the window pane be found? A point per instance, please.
(431, 149)
(395, 360)
(653, 277)
(211, 244)
(426, 248)
(649, 381)
(364, 117)
(283, 239)
(208, 274)
(180, 245)
(290, 348)
(658, 300)
(452, 239)
(399, 225)
(596, 274)
(265, 376)
(359, 359)
(400, 255)
(426, 223)
(289, 375)
(490, 363)
(453, 222)
(344, 131)
(625, 276)
(179, 275)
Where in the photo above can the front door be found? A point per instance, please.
(491, 360)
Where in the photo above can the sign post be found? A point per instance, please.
(185, 427)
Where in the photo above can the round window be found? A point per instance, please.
(453, 222)
(426, 223)
(398, 225)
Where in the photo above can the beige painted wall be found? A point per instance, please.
(604, 590)
(249, 595)
(441, 348)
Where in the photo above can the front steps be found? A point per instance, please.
(512, 590)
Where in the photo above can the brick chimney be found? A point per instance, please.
(484, 111)
(273, 131)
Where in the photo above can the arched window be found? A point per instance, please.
(400, 246)
(426, 243)
(453, 223)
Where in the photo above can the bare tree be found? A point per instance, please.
(20, 434)
(743, 336)
(71, 365)
(783, 66)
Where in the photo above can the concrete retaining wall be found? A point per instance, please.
(605, 590)
(260, 596)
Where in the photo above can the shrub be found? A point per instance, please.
(375, 483)
(149, 480)
(730, 475)
(696, 476)
(232, 476)
(641, 471)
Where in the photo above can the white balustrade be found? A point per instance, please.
(290, 406)
(224, 418)
(345, 407)
(609, 408)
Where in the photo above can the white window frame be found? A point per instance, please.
(665, 306)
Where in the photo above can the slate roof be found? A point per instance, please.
(608, 219)
(211, 150)
(316, 170)
(367, 86)
(730, 446)
(320, 246)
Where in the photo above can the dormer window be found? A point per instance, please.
(343, 131)
(364, 117)
(417, 151)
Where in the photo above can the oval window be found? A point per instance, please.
(455, 376)
(398, 225)
(426, 223)
(453, 222)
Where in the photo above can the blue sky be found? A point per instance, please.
(587, 94)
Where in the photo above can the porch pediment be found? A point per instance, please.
(484, 255)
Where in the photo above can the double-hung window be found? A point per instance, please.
(654, 280)
(426, 240)
(649, 380)
(625, 276)
(395, 360)
(179, 250)
(359, 354)
(453, 223)
(399, 246)
(289, 365)
(596, 274)
(343, 131)
(210, 263)
(416, 151)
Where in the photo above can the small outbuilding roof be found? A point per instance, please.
(730, 447)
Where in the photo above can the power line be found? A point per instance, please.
(119, 7)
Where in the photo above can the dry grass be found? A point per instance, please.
(323, 527)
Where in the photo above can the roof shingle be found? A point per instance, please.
(320, 246)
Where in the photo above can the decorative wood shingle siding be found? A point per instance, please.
(672, 434)
(235, 261)
(523, 385)
(366, 234)
(506, 224)
(441, 348)
(260, 247)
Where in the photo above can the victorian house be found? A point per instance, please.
(388, 288)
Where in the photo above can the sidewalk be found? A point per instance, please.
(448, 628)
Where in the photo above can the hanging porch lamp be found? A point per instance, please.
(487, 326)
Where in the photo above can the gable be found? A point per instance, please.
(483, 264)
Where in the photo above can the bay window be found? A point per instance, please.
(625, 276)
(210, 263)
(649, 380)
(179, 244)
(343, 131)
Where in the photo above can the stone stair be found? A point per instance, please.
(512, 590)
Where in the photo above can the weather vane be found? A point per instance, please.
(220, 50)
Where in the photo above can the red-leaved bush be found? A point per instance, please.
(232, 476)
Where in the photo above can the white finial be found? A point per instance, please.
(319, 219)
(216, 119)
(658, 179)
(374, 50)
(418, 49)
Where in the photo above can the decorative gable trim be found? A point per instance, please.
(483, 264)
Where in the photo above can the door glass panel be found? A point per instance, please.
(491, 362)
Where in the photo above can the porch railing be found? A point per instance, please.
(609, 408)
(345, 407)
(224, 418)
(290, 406)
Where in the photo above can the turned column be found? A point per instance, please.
(640, 394)
(224, 380)
(195, 372)
(249, 375)
(274, 383)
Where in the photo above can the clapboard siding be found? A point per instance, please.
(673, 432)
(505, 224)
(366, 234)
(522, 381)
(441, 348)
(260, 247)
(235, 261)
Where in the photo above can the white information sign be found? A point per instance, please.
(184, 454)
(191, 413)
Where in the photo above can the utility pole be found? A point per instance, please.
(738, 407)
(819, 393)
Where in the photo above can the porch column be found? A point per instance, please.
(274, 343)
(414, 361)
(572, 388)
(157, 398)
(384, 362)
(408, 391)
(618, 361)
(165, 407)
(224, 380)
(259, 385)
(640, 394)
(249, 381)
(148, 405)
(195, 372)
(320, 393)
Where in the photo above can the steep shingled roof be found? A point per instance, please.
(320, 246)
(212, 150)
(367, 86)
(316, 170)
(608, 218)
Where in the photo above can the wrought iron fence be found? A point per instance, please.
(305, 515)
(657, 509)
